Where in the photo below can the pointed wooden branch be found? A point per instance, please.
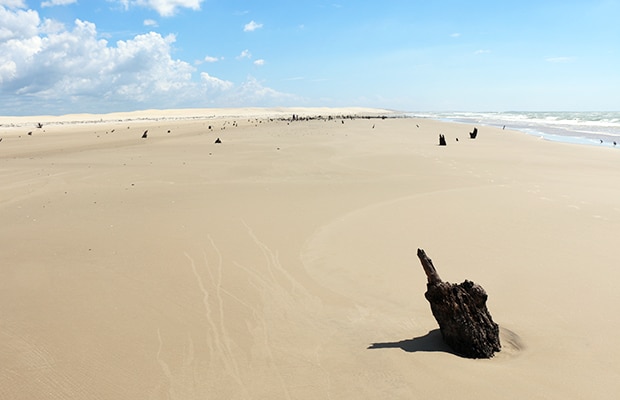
(429, 268)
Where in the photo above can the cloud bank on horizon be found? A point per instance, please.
(69, 56)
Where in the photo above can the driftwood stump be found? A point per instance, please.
(461, 312)
(442, 140)
(473, 134)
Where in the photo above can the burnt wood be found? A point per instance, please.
(461, 312)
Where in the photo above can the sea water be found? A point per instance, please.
(589, 128)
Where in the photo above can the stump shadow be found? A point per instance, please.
(431, 342)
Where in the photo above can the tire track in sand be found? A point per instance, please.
(218, 339)
(276, 309)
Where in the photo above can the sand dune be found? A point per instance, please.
(280, 264)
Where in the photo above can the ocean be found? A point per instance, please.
(585, 128)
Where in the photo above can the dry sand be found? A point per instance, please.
(281, 263)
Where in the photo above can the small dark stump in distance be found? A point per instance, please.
(218, 141)
(473, 134)
(442, 140)
(461, 312)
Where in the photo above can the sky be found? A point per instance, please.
(99, 56)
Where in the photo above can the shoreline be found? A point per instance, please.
(599, 129)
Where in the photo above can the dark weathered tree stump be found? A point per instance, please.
(461, 312)
(473, 134)
(442, 140)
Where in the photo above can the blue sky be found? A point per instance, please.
(71, 56)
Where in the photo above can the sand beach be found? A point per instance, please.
(281, 263)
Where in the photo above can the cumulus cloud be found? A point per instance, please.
(244, 54)
(75, 63)
(252, 26)
(212, 83)
(124, 3)
(165, 8)
(13, 3)
(150, 22)
(18, 25)
(210, 59)
(52, 3)
(252, 92)
(47, 67)
(259, 62)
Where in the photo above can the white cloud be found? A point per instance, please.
(48, 68)
(211, 59)
(212, 83)
(482, 51)
(244, 54)
(259, 62)
(18, 24)
(124, 3)
(150, 22)
(165, 8)
(252, 26)
(13, 3)
(455, 35)
(77, 65)
(52, 3)
(559, 59)
(254, 93)
(224, 93)
(50, 26)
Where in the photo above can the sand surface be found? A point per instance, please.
(281, 263)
